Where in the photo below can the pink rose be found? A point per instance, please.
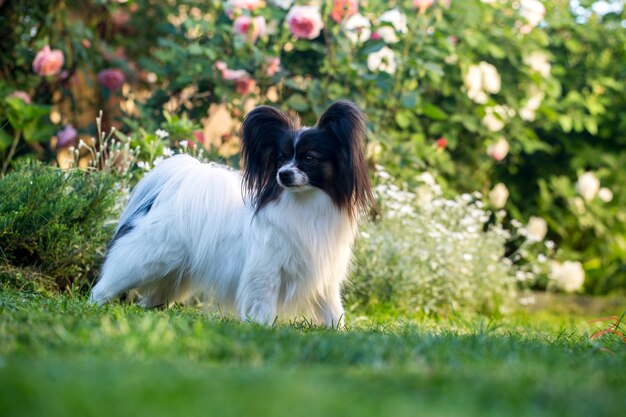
(66, 136)
(233, 75)
(48, 61)
(343, 9)
(499, 150)
(422, 5)
(305, 21)
(251, 28)
(199, 136)
(272, 66)
(244, 85)
(22, 95)
(111, 78)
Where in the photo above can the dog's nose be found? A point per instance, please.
(285, 177)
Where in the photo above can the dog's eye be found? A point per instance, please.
(309, 160)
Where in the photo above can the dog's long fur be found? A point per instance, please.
(273, 240)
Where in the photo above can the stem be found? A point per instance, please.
(16, 140)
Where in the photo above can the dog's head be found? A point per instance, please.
(280, 156)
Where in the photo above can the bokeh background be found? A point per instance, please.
(497, 129)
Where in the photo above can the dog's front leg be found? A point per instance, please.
(257, 295)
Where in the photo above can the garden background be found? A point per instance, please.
(497, 145)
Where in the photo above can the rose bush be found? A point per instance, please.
(519, 99)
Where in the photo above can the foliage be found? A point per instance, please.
(433, 254)
(55, 223)
(442, 89)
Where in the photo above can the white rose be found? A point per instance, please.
(398, 25)
(536, 229)
(498, 150)
(499, 196)
(532, 104)
(605, 194)
(538, 62)
(357, 28)
(568, 276)
(533, 11)
(490, 77)
(588, 186)
(382, 60)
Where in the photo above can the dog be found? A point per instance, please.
(272, 241)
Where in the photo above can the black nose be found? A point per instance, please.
(286, 177)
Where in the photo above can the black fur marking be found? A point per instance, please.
(127, 227)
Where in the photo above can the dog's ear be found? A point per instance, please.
(347, 123)
(261, 132)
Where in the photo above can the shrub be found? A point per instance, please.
(55, 223)
(433, 254)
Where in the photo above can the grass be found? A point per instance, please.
(61, 357)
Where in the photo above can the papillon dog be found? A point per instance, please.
(272, 241)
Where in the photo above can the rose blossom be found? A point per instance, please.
(605, 194)
(536, 229)
(481, 79)
(441, 143)
(111, 78)
(272, 66)
(398, 25)
(48, 61)
(422, 5)
(357, 28)
(244, 85)
(499, 196)
(305, 21)
(538, 62)
(588, 185)
(382, 60)
(251, 28)
(22, 95)
(498, 150)
(533, 11)
(343, 9)
(66, 136)
(568, 276)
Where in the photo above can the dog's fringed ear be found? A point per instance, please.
(260, 134)
(347, 123)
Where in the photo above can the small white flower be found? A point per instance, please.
(527, 112)
(550, 244)
(357, 28)
(382, 60)
(536, 229)
(398, 25)
(588, 185)
(157, 160)
(499, 196)
(167, 152)
(143, 165)
(184, 143)
(533, 11)
(427, 178)
(81, 144)
(541, 258)
(538, 62)
(161, 134)
(605, 194)
(568, 276)
(481, 79)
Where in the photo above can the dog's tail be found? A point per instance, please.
(146, 192)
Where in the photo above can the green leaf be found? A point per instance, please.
(566, 123)
(591, 125)
(5, 139)
(433, 112)
(298, 102)
(404, 118)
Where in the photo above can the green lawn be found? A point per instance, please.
(61, 357)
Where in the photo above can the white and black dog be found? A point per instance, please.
(273, 240)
